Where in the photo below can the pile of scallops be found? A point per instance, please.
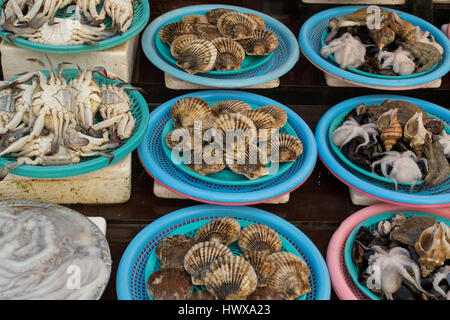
(204, 132)
(204, 267)
(218, 40)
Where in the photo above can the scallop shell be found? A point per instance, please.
(202, 295)
(229, 106)
(194, 19)
(179, 43)
(390, 128)
(181, 139)
(224, 230)
(259, 238)
(231, 278)
(289, 148)
(237, 124)
(198, 56)
(169, 284)
(261, 43)
(206, 31)
(187, 110)
(236, 26)
(415, 133)
(173, 30)
(264, 122)
(172, 249)
(215, 14)
(251, 163)
(265, 293)
(277, 113)
(290, 276)
(207, 162)
(230, 54)
(200, 257)
(259, 21)
(261, 265)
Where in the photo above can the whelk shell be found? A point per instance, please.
(236, 25)
(229, 106)
(172, 249)
(198, 56)
(171, 31)
(179, 43)
(261, 43)
(415, 133)
(259, 238)
(169, 284)
(224, 230)
(187, 110)
(277, 113)
(261, 265)
(390, 128)
(230, 54)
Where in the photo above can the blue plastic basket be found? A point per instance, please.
(436, 196)
(160, 167)
(140, 18)
(310, 43)
(280, 62)
(139, 109)
(131, 277)
(371, 224)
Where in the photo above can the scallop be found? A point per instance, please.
(206, 31)
(265, 293)
(289, 148)
(277, 113)
(231, 278)
(198, 56)
(194, 19)
(214, 14)
(200, 257)
(187, 110)
(224, 230)
(236, 26)
(236, 123)
(202, 295)
(171, 31)
(291, 275)
(169, 284)
(229, 106)
(181, 139)
(264, 123)
(259, 21)
(172, 249)
(211, 160)
(259, 238)
(230, 54)
(262, 266)
(179, 43)
(252, 165)
(261, 43)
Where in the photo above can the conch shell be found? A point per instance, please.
(390, 128)
(415, 133)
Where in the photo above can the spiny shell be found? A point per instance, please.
(261, 265)
(169, 284)
(171, 31)
(200, 257)
(229, 106)
(251, 164)
(289, 148)
(230, 54)
(211, 160)
(277, 113)
(180, 139)
(260, 238)
(187, 110)
(236, 25)
(179, 43)
(415, 133)
(231, 278)
(265, 293)
(194, 19)
(223, 230)
(390, 128)
(259, 21)
(206, 31)
(172, 249)
(215, 14)
(198, 56)
(290, 276)
(202, 295)
(261, 43)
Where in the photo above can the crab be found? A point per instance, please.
(41, 8)
(87, 6)
(13, 10)
(120, 12)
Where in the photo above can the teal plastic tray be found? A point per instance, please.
(371, 224)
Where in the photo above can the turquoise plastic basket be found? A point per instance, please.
(371, 224)
(140, 18)
(139, 109)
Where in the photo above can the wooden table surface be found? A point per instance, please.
(320, 204)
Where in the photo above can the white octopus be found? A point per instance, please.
(426, 37)
(404, 167)
(350, 129)
(444, 140)
(349, 51)
(388, 269)
(442, 274)
(400, 61)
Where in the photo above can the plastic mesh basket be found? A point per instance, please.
(280, 62)
(164, 171)
(131, 273)
(139, 109)
(310, 43)
(141, 16)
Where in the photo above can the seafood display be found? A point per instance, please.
(49, 120)
(404, 258)
(49, 252)
(218, 40)
(380, 43)
(396, 140)
(211, 266)
(40, 21)
(229, 134)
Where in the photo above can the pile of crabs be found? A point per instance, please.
(218, 40)
(397, 140)
(36, 20)
(405, 258)
(48, 120)
(389, 47)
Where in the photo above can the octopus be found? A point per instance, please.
(349, 51)
(442, 274)
(400, 61)
(444, 140)
(425, 37)
(351, 129)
